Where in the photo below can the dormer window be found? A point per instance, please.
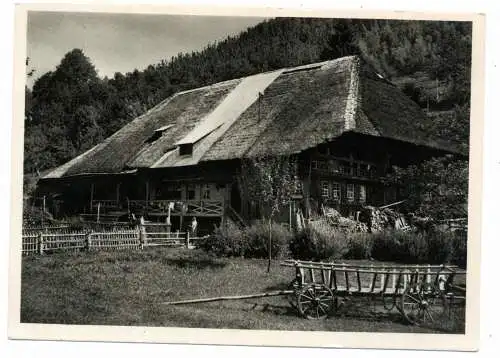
(158, 133)
(186, 149)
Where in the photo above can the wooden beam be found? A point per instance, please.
(118, 193)
(91, 195)
(147, 195)
(225, 298)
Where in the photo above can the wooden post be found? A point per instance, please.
(43, 212)
(398, 284)
(147, 197)
(98, 210)
(40, 244)
(386, 281)
(311, 275)
(324, 278)
(118, 193)
(142, 233)
(91, 196)
(187, 239)
(88, 241)
(393, 286)
(374, 282)
(346, 277)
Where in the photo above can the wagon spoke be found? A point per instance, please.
(429, 314)
(322, 304)
(417, 301)
(308, 298)
(322, 309)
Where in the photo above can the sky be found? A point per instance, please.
(122, 42)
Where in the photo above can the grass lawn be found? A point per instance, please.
(127, 288)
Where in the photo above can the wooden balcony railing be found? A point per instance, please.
(186, 207)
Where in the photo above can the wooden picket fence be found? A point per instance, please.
(66, 239)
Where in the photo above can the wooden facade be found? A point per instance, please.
(344, 174)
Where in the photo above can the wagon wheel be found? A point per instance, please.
(315, 301)
(292, 297)
(424, 305)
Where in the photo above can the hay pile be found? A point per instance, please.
(343, 224)
(379, 220)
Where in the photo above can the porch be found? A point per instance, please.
(102, 209)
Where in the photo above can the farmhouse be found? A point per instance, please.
(344, 123)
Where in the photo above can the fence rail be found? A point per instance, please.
(43, 241)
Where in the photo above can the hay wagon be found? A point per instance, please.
(421, 293)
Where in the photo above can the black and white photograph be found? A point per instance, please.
(249, 173)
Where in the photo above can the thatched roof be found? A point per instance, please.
(279, 112)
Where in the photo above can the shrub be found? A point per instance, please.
(318, 242)
(405, 247)
(251, 242)
(257, 239)
(227, 240)
(433, 247)
(440, 246)
(359, 246)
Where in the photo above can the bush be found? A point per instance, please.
(318, 242)
(227, 240)
(459, 249)
(432, 247)
(359, 246)
(440, 246)
(257, 240)
(405, 247)
(251, 242)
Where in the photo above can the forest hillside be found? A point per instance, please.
(71, 109)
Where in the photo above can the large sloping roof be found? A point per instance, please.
(279, 112)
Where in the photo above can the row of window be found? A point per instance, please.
(333, 191)
(345, 167)
(173, 191)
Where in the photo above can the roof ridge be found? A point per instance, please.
(352, 104)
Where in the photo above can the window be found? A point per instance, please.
(362, 194)
(206, 191)
(186, 149)
(173, 191)
(325, 189)
(372, 171)
(356, 170)
(363, 170)
(345, 168)
(314, 164)
(350, 193)
(333, 166)
(336, 191)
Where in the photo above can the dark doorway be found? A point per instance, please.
(235, 198)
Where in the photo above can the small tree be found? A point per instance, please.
(269, 180)
(436, 188)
